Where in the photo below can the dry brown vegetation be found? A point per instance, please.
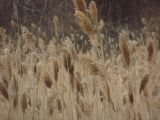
(60, 80)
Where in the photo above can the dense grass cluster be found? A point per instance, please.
(61, 81)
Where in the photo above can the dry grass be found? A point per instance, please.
(38, 82)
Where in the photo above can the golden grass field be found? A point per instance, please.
(59, 81)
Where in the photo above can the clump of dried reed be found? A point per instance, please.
(77, 85)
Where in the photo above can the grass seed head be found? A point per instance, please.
(125, 50)
(144, 82)
(80, 5)
(24, 102)
(150, 49)
(84, 23)
(93, 10)
(47, 80)
(56, 69)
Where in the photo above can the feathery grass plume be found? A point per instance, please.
(3, 91)
(56, 69)
(67, 59)
(55, 21)
(35, 69)
(96, 69)
(59, 105)
(33, 26)
(12, 23)
(93, 10)
(15, 83)
(79, 86)
(124, 49)
(85, 23)
(131, 98)
(15, 100)
(41, 43)
(24, 102)
(29, 38)
(144, 82)
(68, 62)
(73, 38)
(150, 49)
(51, 49)
(101, 24)
(69, 66)
(80, 5)
(78, 82)
(71, 70)
(47, 80)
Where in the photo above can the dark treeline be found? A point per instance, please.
(128, 11)
(41, 11)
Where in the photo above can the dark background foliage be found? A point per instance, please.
(41, 12)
